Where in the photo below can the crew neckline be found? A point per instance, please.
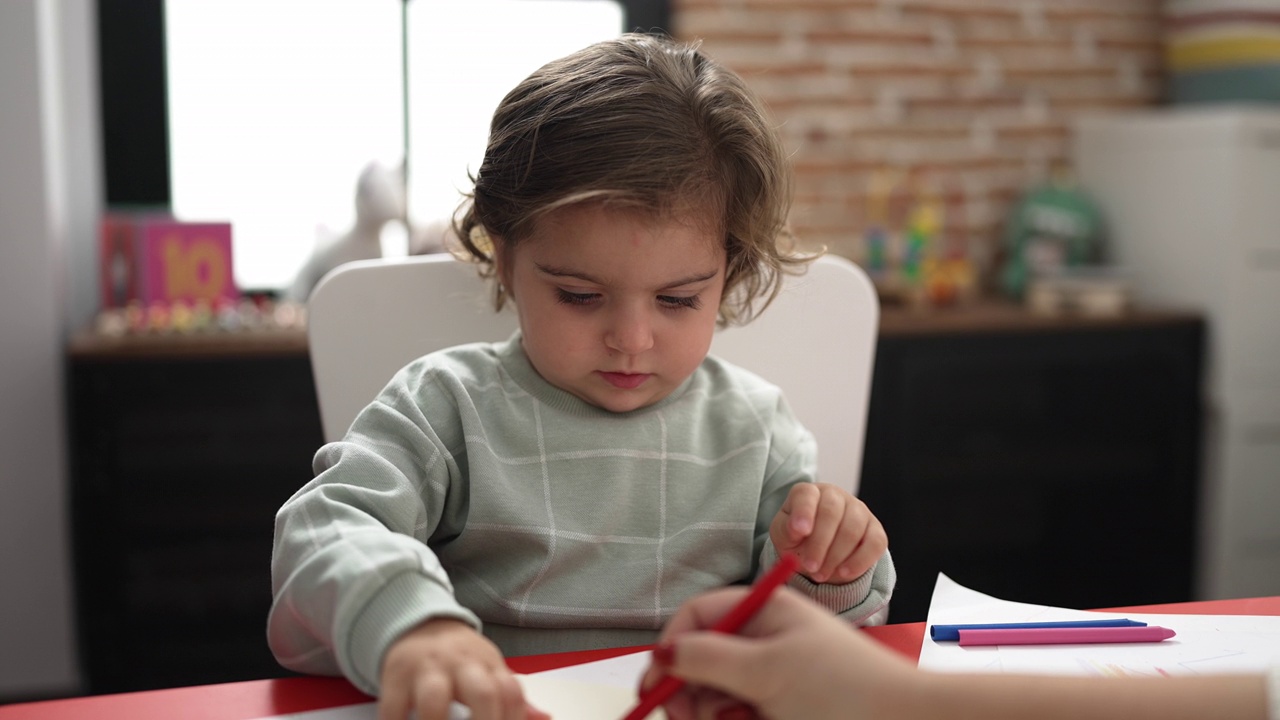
(516, 363)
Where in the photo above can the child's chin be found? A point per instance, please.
(621, 402)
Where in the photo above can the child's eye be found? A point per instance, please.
(692, 302)
(569, 298)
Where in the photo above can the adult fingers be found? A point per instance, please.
(736, 711)
(734, 665)
(698, 613)
(715, 705)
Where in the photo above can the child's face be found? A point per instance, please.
(616, 308)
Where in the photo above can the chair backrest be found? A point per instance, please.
(367, 319)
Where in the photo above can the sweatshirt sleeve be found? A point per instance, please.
(351, 569)
(863, 600)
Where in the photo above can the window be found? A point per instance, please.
(271, 109)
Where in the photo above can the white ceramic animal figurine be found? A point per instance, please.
(380, 198)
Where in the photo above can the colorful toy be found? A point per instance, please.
(1054, 227)
(186, 261)
(149, 257)
(916, 239)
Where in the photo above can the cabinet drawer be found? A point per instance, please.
(1057, 467)
(178, 468)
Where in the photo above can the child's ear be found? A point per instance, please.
(501, 262)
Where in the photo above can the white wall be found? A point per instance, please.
(49, 199)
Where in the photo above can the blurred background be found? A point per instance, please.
(1069, 208)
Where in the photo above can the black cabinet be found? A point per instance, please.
(1052, 462)
(181, 454)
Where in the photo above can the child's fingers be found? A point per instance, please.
(511, 695)
(533, 713)
(848, 536)
(869, 550)
(815, 552)
(432, 695)
(490, 694)
(796, 518)
(393, 701)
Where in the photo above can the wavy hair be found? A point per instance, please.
(645, 123)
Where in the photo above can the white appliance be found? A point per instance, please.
(1192, 201)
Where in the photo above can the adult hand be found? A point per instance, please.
(792, 661)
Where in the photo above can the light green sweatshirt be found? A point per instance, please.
(473, 489)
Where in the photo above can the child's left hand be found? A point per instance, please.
(834, 533)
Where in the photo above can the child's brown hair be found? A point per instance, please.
(646, 123)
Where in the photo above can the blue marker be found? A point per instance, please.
(952, 632)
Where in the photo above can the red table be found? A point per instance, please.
(261, 698)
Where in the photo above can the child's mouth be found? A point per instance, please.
(625, 381)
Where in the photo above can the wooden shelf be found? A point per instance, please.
(1001, 316)
(89, 345)
(988, 316)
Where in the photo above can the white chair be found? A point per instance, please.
(369, 318)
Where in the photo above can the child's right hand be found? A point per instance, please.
(444, 660)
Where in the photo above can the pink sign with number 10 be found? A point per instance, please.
(188, 262)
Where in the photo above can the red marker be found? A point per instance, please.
(731, 623)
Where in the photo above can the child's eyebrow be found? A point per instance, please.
(565, 272)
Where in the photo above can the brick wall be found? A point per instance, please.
(884, 101)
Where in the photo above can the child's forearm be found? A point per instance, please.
(997, 697)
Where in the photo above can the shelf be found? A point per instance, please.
(994, 316)
(987, 316)
(88, 345)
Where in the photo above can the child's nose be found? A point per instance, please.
(630, 331)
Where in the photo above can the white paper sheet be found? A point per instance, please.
(623, 671)
(592, 691)
(1204, 643)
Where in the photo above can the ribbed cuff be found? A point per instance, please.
(863, 600)
(406, 601)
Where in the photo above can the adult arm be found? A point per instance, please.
(793, 661)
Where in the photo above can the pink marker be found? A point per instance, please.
(1066, 636)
